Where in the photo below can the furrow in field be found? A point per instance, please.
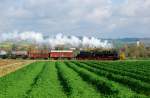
(63, 81)
(119, 72)
(78, 87)
(134, 84)
(139, 64)
(103, 86)
(123, 92)
(129, 67)
(137, 67)
(35, 80)
(47, 85)
(16, 84)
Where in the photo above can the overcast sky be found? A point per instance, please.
(100, 18)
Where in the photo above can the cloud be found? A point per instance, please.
(136, 8)
(103, 18)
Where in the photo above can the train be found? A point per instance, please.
(61, 54)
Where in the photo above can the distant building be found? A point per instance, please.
(138, 43)
(3, 52)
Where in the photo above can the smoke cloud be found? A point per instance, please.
(59, 39)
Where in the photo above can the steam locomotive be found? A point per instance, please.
(61, 54)
(98, 55)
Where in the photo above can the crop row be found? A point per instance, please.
(139, 66)
(47, 84)
(119, 72)
(134, 84)
(120, 90)
(73, 84)
(134, 67)
(102, 85)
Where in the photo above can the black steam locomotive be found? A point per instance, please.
(98, 55)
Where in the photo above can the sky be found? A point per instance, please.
(99, 18)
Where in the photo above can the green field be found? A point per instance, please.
(79, 79)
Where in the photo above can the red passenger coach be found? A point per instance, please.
(55, 54)
(35, 54)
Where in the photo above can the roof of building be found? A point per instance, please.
(61, 51)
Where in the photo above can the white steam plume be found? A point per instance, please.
(59, 39)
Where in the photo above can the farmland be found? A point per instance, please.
(7, 66)
(78, 79)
